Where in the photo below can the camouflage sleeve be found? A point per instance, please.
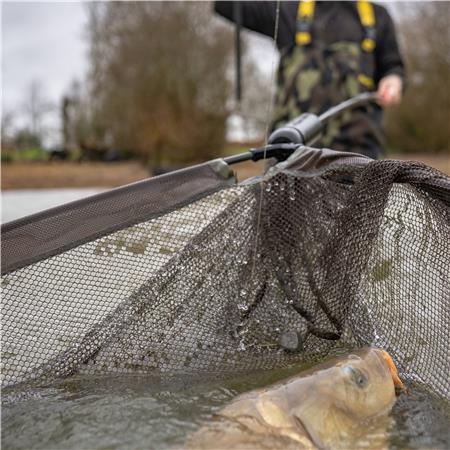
(387, 54)
(256, 16)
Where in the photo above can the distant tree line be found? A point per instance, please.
(34, 111)
(159, 82)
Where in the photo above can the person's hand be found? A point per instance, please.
(390, 90)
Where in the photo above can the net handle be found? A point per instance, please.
(359, 100)
(303, 130)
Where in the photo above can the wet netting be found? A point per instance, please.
(191, 274)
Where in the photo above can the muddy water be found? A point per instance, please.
(137, 413)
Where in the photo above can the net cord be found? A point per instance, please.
(269, 114)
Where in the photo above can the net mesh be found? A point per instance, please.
(342, 256)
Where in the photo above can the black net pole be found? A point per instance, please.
(304, 129)
(352, 103)
(237, 13)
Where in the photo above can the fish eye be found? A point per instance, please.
(356, 376)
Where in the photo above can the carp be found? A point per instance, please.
(338, 404)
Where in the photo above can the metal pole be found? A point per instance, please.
(247, 156)
(359, 100)
(237, 15)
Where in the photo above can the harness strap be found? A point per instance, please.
(366, 81)
(367, 18)
(305, 15)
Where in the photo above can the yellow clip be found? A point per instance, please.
(302, 38)
(366, 13)
(306, 9)
(368, 45)
(366, 81)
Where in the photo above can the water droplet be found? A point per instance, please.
(241, 347)
(243, 293)
(242, 306)
(268, 187)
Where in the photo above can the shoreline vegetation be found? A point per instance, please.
(44, 175)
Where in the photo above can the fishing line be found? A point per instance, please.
(269, 114)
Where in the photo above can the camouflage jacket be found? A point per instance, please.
(332, 68)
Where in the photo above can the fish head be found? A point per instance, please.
(346, 397)
(362, 384)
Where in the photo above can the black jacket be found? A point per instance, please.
(333, 21)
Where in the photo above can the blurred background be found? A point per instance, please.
(97, 95)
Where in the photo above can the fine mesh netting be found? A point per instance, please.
(347, 254)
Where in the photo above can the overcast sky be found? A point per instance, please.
(41, 41)
(44, 42)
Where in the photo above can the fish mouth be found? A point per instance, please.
(398, 384)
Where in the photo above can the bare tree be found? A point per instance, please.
(80, 129)
(36, 107)
(158, 77)
(7, 128)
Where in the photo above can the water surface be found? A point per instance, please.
(136, 412)
(20, 203)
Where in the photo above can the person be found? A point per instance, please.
(330, 51)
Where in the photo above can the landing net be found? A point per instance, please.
(156, 277)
